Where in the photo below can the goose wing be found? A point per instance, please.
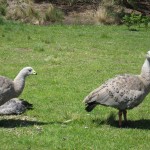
(6, 89)
(122, 92)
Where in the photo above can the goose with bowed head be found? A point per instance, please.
(122, 92)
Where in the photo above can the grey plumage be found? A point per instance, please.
(13, 88)
(15, 106)
(122, 92)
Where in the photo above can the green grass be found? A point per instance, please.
(70, 62)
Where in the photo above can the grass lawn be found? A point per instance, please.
(71, 61)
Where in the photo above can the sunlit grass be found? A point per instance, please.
(70, 62)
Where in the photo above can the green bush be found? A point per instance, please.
(145, 20)
(3, 6)
(133, 20)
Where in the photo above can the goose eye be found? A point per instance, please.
(30, 70)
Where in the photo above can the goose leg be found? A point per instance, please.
(120, 118)
(125, 116)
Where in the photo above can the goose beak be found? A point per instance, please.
(34, 72)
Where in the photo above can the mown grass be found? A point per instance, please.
(70, 62)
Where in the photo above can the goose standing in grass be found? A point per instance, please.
(15, 106)
(122, 92)
(13, 88)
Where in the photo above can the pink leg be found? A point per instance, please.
(120, 118)
(125, 115)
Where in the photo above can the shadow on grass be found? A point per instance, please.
(12, 123)
(135, 124)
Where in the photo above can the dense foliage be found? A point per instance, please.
(134, 20)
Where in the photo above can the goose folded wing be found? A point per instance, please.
(6, 90)
(121, 92)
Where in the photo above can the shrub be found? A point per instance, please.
(127, 21)
(24, 12)
(145, 20)
(32, 12)
(133, 20)
(3, 6)
(109, 13)
(53, 14)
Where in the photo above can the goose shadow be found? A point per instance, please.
(12, 123)
(132, 124)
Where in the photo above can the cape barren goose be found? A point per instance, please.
(15, 106)
(13, 88)
(122, 92)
